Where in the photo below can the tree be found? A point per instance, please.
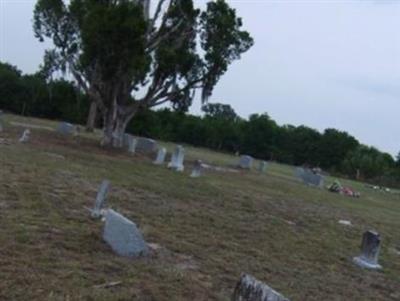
(12, 90)
(126, 60)
(368, 162)
(334, 146)
(219, 110)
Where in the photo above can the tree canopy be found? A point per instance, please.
(126, 59)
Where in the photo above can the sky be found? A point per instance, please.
(321, 63)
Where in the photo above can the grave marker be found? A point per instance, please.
(25, 136)
(245, 162)
(263, 166)
(146, 145)
(370, 247)
(123, 236)
(66, 128)
(177, 159)
(309, 177)
(162, 152)
(100, 199)
(130, 143)
(250, 289)
(197, 169)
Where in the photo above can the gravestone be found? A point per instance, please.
(263, 166)
(162, 152)
(146, 145)
(100, 199)
(245, 162)
(197, 169)
(298, 172)
(309, 177)
(177, 159)
(129, 143)
(250, 289)
(66, 128)
(370, 247)
(25, 136)
(123, 236)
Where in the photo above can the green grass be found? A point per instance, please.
(209, 229)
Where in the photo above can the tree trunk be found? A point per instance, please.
(91, 121)
(115, 123)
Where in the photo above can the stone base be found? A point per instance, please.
(361, 262)
(179, 168)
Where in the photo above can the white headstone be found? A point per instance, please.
(100, 199)
(123, 236)
(263, 166)
(197, 169)
(246, 162)
(370, 247)
(250, 289)
(25, 136)
(177, 159)
(162, 152)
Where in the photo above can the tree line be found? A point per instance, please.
(220, 128)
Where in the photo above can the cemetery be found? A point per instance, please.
(156, 220)
(140, 161)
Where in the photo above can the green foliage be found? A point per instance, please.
(220, 111)
(113, 49)
(369, 162)
(31, 95)
(221, 40)
(334, 146)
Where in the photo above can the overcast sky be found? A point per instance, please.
(327, 63)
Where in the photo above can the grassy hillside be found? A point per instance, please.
(207, 230)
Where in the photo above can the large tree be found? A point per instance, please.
(126, 59)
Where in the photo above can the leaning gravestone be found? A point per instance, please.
(263, 166)
(66, 128)
(197, 169)
(123, 236)
(129, 143)
(177, 159)
(370, 247)
(250, 289)
(100, 199)
(160, 156)
(25, 136)
(245, 162)
(146, 145)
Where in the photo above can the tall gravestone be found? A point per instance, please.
(66, 128)
(370, 247)
(177, 159)
(250, 289)
(162, 152)
(263, 166)
(123, 236)
(25, 136)
(197, 169)
(100, 199)
(246, 162)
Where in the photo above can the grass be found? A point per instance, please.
(209, 230)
